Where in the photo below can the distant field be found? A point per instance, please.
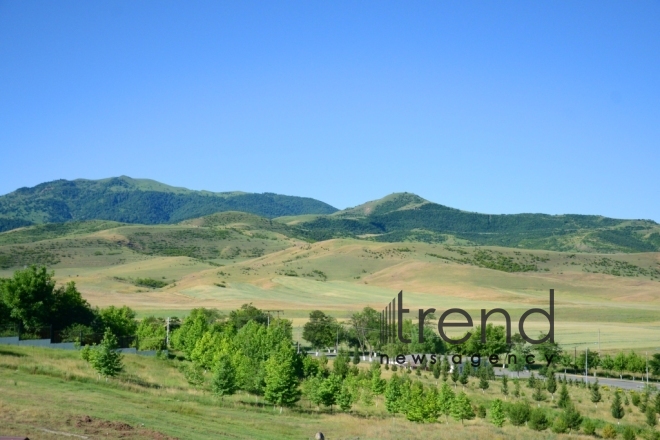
(229, 259)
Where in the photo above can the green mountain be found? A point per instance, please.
(408, 217)
(128, 200)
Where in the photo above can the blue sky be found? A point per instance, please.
(497, 107)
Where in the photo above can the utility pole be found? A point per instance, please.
(586, 365)
(167, 337)
(275, 311)
(647, 368)
(598, 341)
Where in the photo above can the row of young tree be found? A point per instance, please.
(362, 331)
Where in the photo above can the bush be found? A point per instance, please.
(538, 420)
(481, 411)
(559, 426)
(609, 431)
(589, 427)
(519, 413)
(629, 433)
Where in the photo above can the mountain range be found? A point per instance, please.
(398, 217)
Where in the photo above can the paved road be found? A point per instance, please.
(612, 382)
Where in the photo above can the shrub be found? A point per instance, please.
(609, 431)
(559, 426)
(538, 420)
(589, 427)
(519, 413)
(629, 433)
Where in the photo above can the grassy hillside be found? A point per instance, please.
(144, 201)
(228, 259)
(152, 400)
(407, 217)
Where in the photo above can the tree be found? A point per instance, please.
(192, 329)
(281, 381)
(551, 384)
(616, 408)
(516, 387)
(345, 398)
(365, 326)
(654, 364)
(29, 296)
(120, 320)
(483, 381)
(445, 368)
(538, 421)
(445, 400)
(519, 413)
(609, 431)
(224, 377)
(151, 333)
(595, 393)
(321, 330)
(432, 406)
(629, 433)
(538, 392)
(566, 361)
(607, 363)
(572, 417)
(377, 384)
(564, 397)
(194, 375)
(416, 407)
(589, 427)
(620, 361)
(70, 308)
(531, 382)
(329, 389)
(105, 358)
(341, 364)
(245, 314)
(437, 370)
(650, 416)
(393, 395)
(505, 385)
(455, 375)
(465, 376)
(497, 417)
(461, 409)
(356, 356)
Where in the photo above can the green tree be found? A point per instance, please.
(193, 328)
(616, 408)
(516, 387)
(629, 433)
(394, 395)
(538, 421)
(320, 330)
(651, 420)
(589, 427)
(330, 389)
(120, 320)
(345, 398)
(356, 356)
(595, 393)
(505, 385)
(151, 333)
(465, 376)
(564, 397)
(105, 358)
(377, 384)
(455, 375)
(461, 408)
(445, 369)
(538, 392)
(483, 380)
(497, 417)
(224, 377)
(519, 413)
(572, 417)
(341, 363)
(437, 370)
(551, 384)
(416, 405)
(241, 317)
(194, 375)
(531, 382)
(445, 400)
(29, 296)
(281, 381)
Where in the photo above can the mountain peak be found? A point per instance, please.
(389, 203)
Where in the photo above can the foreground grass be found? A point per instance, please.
(44, 391)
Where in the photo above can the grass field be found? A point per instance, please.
(226, 260)
(44, 391)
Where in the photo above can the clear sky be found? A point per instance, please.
(496, 107)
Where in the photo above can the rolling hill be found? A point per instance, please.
(408, 217)
(128, 200)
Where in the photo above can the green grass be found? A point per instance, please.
(54, 390)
